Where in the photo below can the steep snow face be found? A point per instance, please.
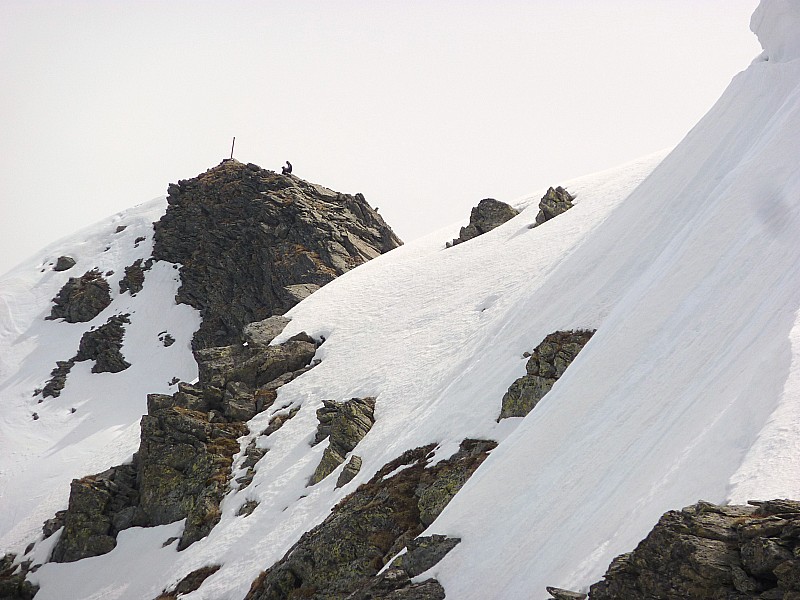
(777, 25)
(94, 423)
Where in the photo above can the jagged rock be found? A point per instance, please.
(190, 583)
(709, 551)
(120, 228)
(547, 363)
(243, 234)
(167, 340)
(301, 291)
(58, 379)
(561, 594)
(553, 203)
(13, 585)
(261, 333)
(350, 470)
(254, 367)
(52, 525)
(64, 263)
(489, 213)
(342, 555)
(103, 345)
(347, 424)
(99, 507)
(423, 553)
(133, 280)
(82, 298)
(184, 464)
(278, 420)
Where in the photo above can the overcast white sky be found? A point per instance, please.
(423, 106)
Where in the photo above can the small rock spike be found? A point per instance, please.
(232, 144)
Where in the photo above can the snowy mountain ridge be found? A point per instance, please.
(686, 265)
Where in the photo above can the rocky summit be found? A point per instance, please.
(253, 243)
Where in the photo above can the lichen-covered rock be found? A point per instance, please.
(244, 235)
(64, 263)
(184, 463)
(487, 215)
(58, 379)
(349, 471)
(13, 585)
(553, 203)
(545, 366)
(708, 551)
(261, 333)
(133, 281)
(99, 507)
(346, 424)
(342, 555)
(424, 552)
(82, 298)
(104, 346)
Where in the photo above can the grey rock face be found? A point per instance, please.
(709, 551)
(104, 346)
(562, 594)
(64, 263)
(423, 553)
(82, 298)
(244, 235)
(346, 424)
(261, 333)
(58, 379)
(350, 470)
(547, 363)
(487, 215)
(553, 203)
(342, 555)
(133, 281)
(99, 506)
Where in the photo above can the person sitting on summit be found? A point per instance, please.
(287, 170)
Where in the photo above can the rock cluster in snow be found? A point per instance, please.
(82, 298)
(247, 237)
(343, 555)
(487, 215)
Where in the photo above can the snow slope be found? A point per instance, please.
(689, 270)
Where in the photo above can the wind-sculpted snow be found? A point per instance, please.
(777, 25)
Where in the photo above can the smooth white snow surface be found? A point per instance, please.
(690, 389)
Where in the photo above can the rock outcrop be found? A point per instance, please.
(246, 237)
(708, 551)
(553, 203)
(82, 298)
(184, 461)
(488, 214)
(133, 280)
(546, 364)
(345, 424)
(342, 555)
(58, 379)
(104, 346)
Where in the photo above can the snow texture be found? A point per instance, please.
(688, 267)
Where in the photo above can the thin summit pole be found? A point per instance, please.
(232, 144)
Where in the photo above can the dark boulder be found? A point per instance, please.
(545, 366)
(82, 298)
(487, 215)
(133, 281)
(553, 203)
(64, 263)
(58, 379)
(104, 346)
